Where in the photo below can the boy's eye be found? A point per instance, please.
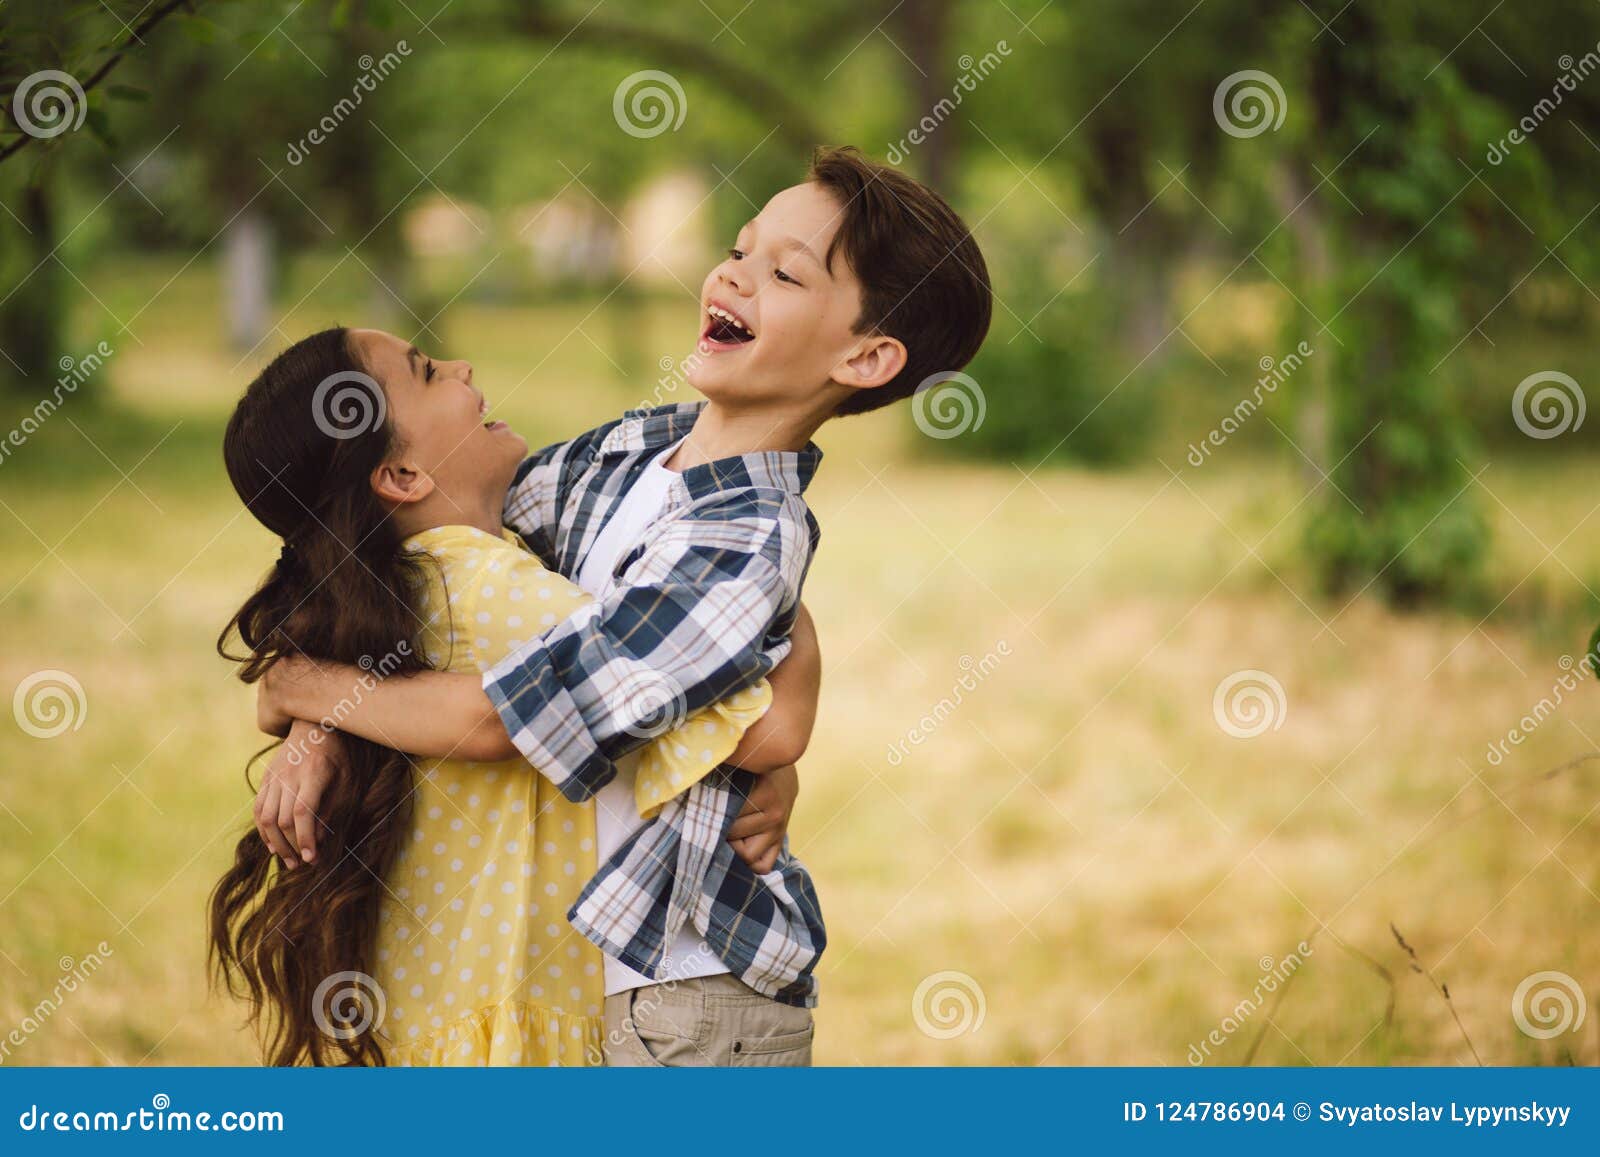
(782, 276)
(736, 254)
(427, 374)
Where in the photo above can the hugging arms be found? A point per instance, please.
(682, 633)
(443, 714)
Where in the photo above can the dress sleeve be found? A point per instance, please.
(676, 761)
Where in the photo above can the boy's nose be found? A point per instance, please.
(465, 369)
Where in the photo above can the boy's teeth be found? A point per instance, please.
(720, 314)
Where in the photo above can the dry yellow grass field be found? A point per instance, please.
(1076, 850)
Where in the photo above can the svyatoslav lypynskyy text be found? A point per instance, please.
(1467, 1116)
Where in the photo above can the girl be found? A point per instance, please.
(435, 907)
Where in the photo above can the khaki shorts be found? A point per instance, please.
(708, 1020)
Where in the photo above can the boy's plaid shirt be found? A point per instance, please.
(702, 608)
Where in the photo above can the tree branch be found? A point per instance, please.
(794, 123)
(99, 74)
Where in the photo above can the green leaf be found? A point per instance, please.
(127, 92)
(99, 124)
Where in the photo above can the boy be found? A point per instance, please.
(688, 524)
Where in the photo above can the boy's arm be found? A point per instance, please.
(432, 714)
(298, 773)
(779, 738)
(707, 611)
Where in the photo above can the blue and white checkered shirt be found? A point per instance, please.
(702, 608)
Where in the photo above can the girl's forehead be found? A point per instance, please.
(387, 356)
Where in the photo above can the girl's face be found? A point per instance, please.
(441, 419)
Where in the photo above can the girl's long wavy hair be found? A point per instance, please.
(300, 450)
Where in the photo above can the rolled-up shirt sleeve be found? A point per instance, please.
(706, 612)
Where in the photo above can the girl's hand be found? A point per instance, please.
(292, 790)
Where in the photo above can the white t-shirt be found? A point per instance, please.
(616, 816)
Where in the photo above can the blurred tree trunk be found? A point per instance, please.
(1141, 240)
(31, 329)
(626, 318)
(248, 261)
(1404, 518)
(924, 29)
(376, 222)
(1302, 210)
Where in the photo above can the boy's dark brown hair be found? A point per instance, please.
(923, 279)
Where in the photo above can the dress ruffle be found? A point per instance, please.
(511, 1033)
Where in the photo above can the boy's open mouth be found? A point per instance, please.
(724, 329)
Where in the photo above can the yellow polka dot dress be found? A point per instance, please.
(475, 957)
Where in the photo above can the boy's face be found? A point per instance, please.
(793, 317)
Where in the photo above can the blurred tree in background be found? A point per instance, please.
(1151, 245)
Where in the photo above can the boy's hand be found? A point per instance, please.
(757, 834)
(292, 789)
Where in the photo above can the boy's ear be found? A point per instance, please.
(873, 363)
(400, 482)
